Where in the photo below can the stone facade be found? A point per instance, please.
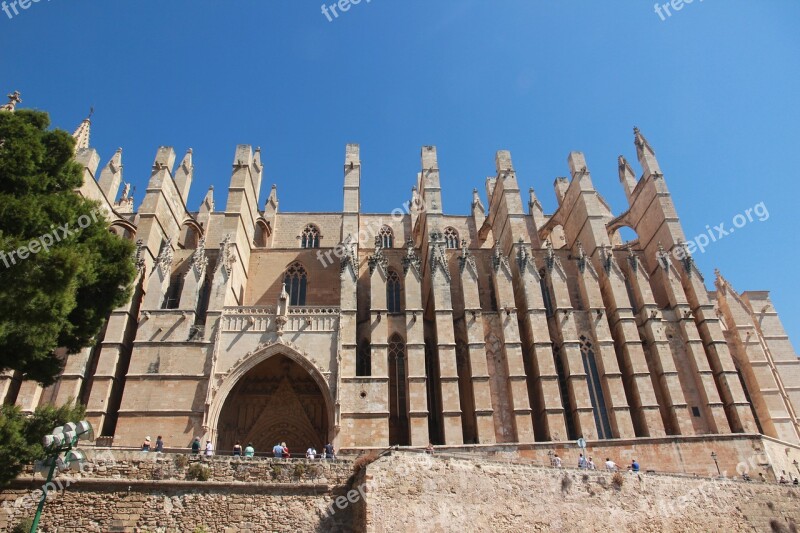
(367, 330)
(404, 492)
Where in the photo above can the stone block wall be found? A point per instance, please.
(410, 493)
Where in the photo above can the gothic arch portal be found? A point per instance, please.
(278, 395)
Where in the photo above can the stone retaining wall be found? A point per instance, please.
(411, 493)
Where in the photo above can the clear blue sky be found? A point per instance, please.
(714, 87)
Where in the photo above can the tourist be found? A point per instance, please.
(311, 453)
(782, 481)
(237, 449)
(196, 446)
(146, 444)
(590, 464)
(634, 467)
(796, 482)
(329, 451)
(286, 454)
(582, 462)
(159, 444)
(209, 449)
(249, 451)
(611, 466)
(277, 451)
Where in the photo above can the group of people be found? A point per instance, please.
(147, 445)
(588, 464)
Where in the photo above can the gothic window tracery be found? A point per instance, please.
(451, 238)
(310, 237)
(296, 280)
(386, 237)
(393, 289)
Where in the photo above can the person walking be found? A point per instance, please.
(249, 451)
(196, 446)
(277, 451)
(311, 453)
(590, 464)
(159, 444)
(237, 449)
(611, 466)
(286, 454)
(146, 444)
(329, 451)
(209, 449)
(582, 462)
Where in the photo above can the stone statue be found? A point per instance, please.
(13, 99)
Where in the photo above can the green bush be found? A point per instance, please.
(181, 461)
(198, 472)
(24, 526)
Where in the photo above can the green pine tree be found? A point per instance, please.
(21, 436)
(58, 297)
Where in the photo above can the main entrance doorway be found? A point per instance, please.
(276, 401)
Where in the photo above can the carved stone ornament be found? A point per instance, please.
(138, 256)
(523, 256)
(581, 258)
(164, 259)
(499, 259)
(633, 259)
(199, 261)
(411, 258)
(662, 257)
(226, 256)
(466, 258)
(378, 259)
(438, 256)
(13, 99)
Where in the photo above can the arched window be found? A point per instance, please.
(450, 238)
(386, 237)
(393, 293)
(595, 390)
(295, 280)
(310, 237)
(398, 411)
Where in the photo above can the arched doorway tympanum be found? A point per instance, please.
(276, 401)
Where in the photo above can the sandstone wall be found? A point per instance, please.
(137, 492)
(411, 493)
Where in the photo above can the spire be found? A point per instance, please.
(646, 154)
(13, 100)
(81, 134)
(478, 211)
(626, 177)
(111, 176)
(184, 175)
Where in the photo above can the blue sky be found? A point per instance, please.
(714, 88)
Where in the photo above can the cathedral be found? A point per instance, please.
(510, 326)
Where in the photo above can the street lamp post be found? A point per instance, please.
(714, 456)
(63, 440)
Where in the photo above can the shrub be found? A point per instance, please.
(566, 483)
(181, 461)
(276, 471)
(24, 526)
(617, 480)
(198, 472)
(299, 470)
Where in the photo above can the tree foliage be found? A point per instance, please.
(61, 296)
(21, 435)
